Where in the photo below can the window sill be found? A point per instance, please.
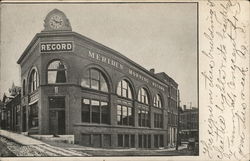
(158, 128)
(125, 126)
(91, 124)
(94, 90)
(144, 127)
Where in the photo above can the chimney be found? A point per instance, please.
(152, 70)
(185, 107)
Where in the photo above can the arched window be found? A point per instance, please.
(143, 96)
(24, 87)
(158, 101)
(124, 89)
(143, 111)
(57, 72)
(33, 81)
(95, 79)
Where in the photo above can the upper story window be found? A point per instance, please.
(124, 89)
(56, 72)
(158, 101)
(33, 81)
(143, 96)
(95, 79)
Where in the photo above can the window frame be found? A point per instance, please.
(143, 96)
(56, 70)
(124, 86)
(33, 116)
(100, 109)
(33, 81)
(89, 80)
(144, 117)
(158, 102)
(129, 117)
(158, 120)
(126, 140)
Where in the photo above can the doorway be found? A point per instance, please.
(24, 122)
(57, 115)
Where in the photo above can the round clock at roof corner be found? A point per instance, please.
(56, 21)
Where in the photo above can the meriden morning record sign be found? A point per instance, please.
(59, 46)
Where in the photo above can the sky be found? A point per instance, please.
(162, 36)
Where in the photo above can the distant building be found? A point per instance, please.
(189, 123)
(11, 110)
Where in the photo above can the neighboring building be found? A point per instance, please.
(2, 114)
(73, 85)
(173, 98)
(189, 123)
(11, 110)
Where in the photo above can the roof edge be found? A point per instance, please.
(62, 33)
(27, 49)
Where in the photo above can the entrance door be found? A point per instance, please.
(57, 115)
(57, 122)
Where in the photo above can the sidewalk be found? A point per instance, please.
(22, 145)
(19, 138)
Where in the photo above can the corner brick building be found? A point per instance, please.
(75, 86)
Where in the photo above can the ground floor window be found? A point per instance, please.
(144, 141)
(120, 140)
(158, 141)
(94, 111)
(33, 116)
(126, 140)
(86, 140)
(125, 115)
(106, 140)
(96, 140)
